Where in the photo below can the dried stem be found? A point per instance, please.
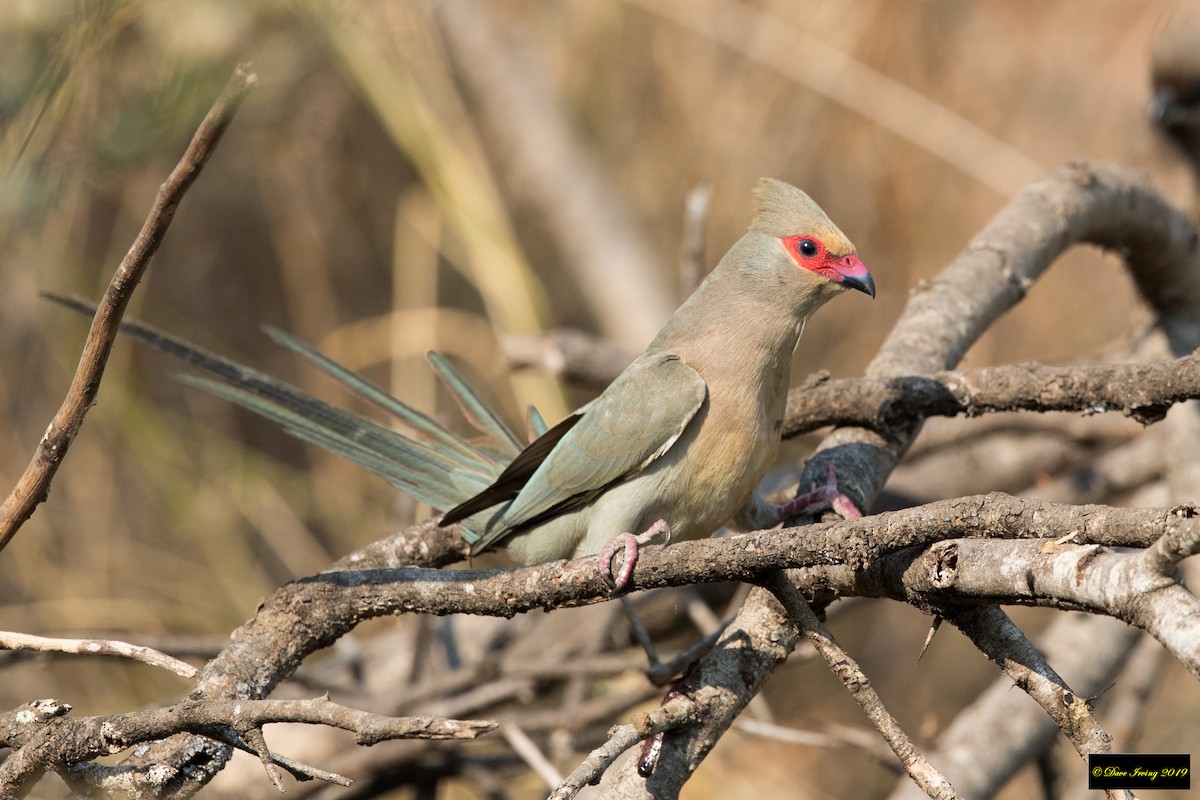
(34, 484)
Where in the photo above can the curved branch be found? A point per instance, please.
(866, 556)
(1080, 203)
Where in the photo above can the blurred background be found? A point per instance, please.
(402, 180)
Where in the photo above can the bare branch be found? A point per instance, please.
(1003, 723)
(1088, 578)
(43, 737)
(1080, 203)
(932, 782)
(34, 484)
(671, 715)
(993, 632)
(1142, 391)
(97, 647)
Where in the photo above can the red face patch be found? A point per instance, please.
(810, 253)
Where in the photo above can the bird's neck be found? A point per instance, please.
(750, 309)
(749, 335)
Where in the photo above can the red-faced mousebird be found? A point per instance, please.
(675, 446)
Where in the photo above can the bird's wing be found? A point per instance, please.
(514, 477)
(634, 421)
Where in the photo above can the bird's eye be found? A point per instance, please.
(807, 248)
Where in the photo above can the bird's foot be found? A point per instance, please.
(820, 499)
(629, 543)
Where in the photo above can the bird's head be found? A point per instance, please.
(810, 240)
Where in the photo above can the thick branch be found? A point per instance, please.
(304, 615)
(1080, 203)
(1086, 578)
(311, 613)
(42, 736)
(1142, 391)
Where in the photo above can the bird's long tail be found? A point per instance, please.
(422, 458)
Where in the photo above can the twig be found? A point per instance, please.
(258, 745)
(530, 754)
(993, 632)
(34, 484)
(673, 714)
(97, 647)
(299, 771)
(932, 782)
(1007, 727)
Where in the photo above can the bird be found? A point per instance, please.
(673, 448)
(679, 441)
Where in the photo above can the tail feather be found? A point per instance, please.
(431, 477)
(477, 412)
(423, 426)
(535, 422)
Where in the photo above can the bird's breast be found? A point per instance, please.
(716, 464)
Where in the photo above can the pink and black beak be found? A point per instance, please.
(852, 274)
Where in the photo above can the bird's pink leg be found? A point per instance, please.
(820, 499)
(630, 543)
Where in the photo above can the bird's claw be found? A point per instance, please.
(820, 499)
(630, 544)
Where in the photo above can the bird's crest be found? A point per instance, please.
(783, 210)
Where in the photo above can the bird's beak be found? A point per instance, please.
(854, 275)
